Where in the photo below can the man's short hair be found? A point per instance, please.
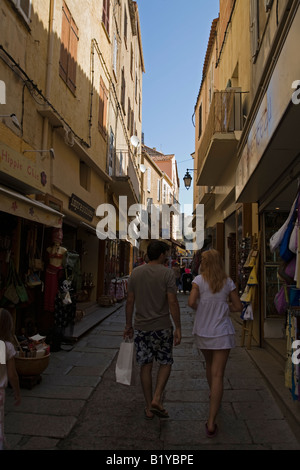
(156, 248)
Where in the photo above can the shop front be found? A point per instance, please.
(268, 174)
(24, 223)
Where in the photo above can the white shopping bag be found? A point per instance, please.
(2, 352)
(126, 362)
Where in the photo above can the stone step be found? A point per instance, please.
(92, 315)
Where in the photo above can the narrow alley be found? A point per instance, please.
(79, 406)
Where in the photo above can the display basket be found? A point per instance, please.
(31, 366)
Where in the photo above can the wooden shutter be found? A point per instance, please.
(103, 99)
(105, 14)
(123, 85)
(132, 122)
(115, 55)
(125, 25)
(64, 47)
(149, 180)
(129, 114)
(68, 49)
(200, 122)
(72, 56)
(254, 28)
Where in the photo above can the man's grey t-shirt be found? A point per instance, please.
(150, 284)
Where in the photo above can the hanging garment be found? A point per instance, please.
(52, 277)
(285, 253)
(276, 239)
(252, 280)
(71, 263)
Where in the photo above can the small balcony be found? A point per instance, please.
(206, 193)
(124, 175)
(220, 137)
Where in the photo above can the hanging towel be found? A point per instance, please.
(2, 352)
(252, 281)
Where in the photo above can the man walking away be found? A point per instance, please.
(152, 291)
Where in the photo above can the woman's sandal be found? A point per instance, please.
(211, 433)
(160, 412)
(148, 418)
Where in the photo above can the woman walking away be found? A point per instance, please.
(213, 329)
(7, 366)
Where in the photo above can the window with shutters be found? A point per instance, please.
(200, 121)
(254, 28)
(123, 86)
(132, 123)
(115, 55)
(24, 9)
(136, 87)
(158, 189)
(68, 49)
(111, 153)
(125, 26)
(149, 180)
(164, 193)
(131, 62)
(149, 204)
(84, 175)
(103, 100)
(140, 108)
(129, 114)
(105, 14)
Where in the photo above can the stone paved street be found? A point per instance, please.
(79, 405)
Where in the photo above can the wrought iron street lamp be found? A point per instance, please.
(187, 179)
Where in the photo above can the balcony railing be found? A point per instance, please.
(225, 116)
(122, 170)
(224, 120)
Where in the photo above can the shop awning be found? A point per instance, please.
(22, 206)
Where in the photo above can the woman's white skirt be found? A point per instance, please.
(218, 342)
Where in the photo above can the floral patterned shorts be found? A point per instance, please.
(156, 345)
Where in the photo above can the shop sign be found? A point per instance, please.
(27, 208)
(22, 167)
(81, 208)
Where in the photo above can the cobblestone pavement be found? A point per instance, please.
(79, 406)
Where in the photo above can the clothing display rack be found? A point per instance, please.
(249, 296)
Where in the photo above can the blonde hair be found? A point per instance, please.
(213, 270)
(6, 325)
